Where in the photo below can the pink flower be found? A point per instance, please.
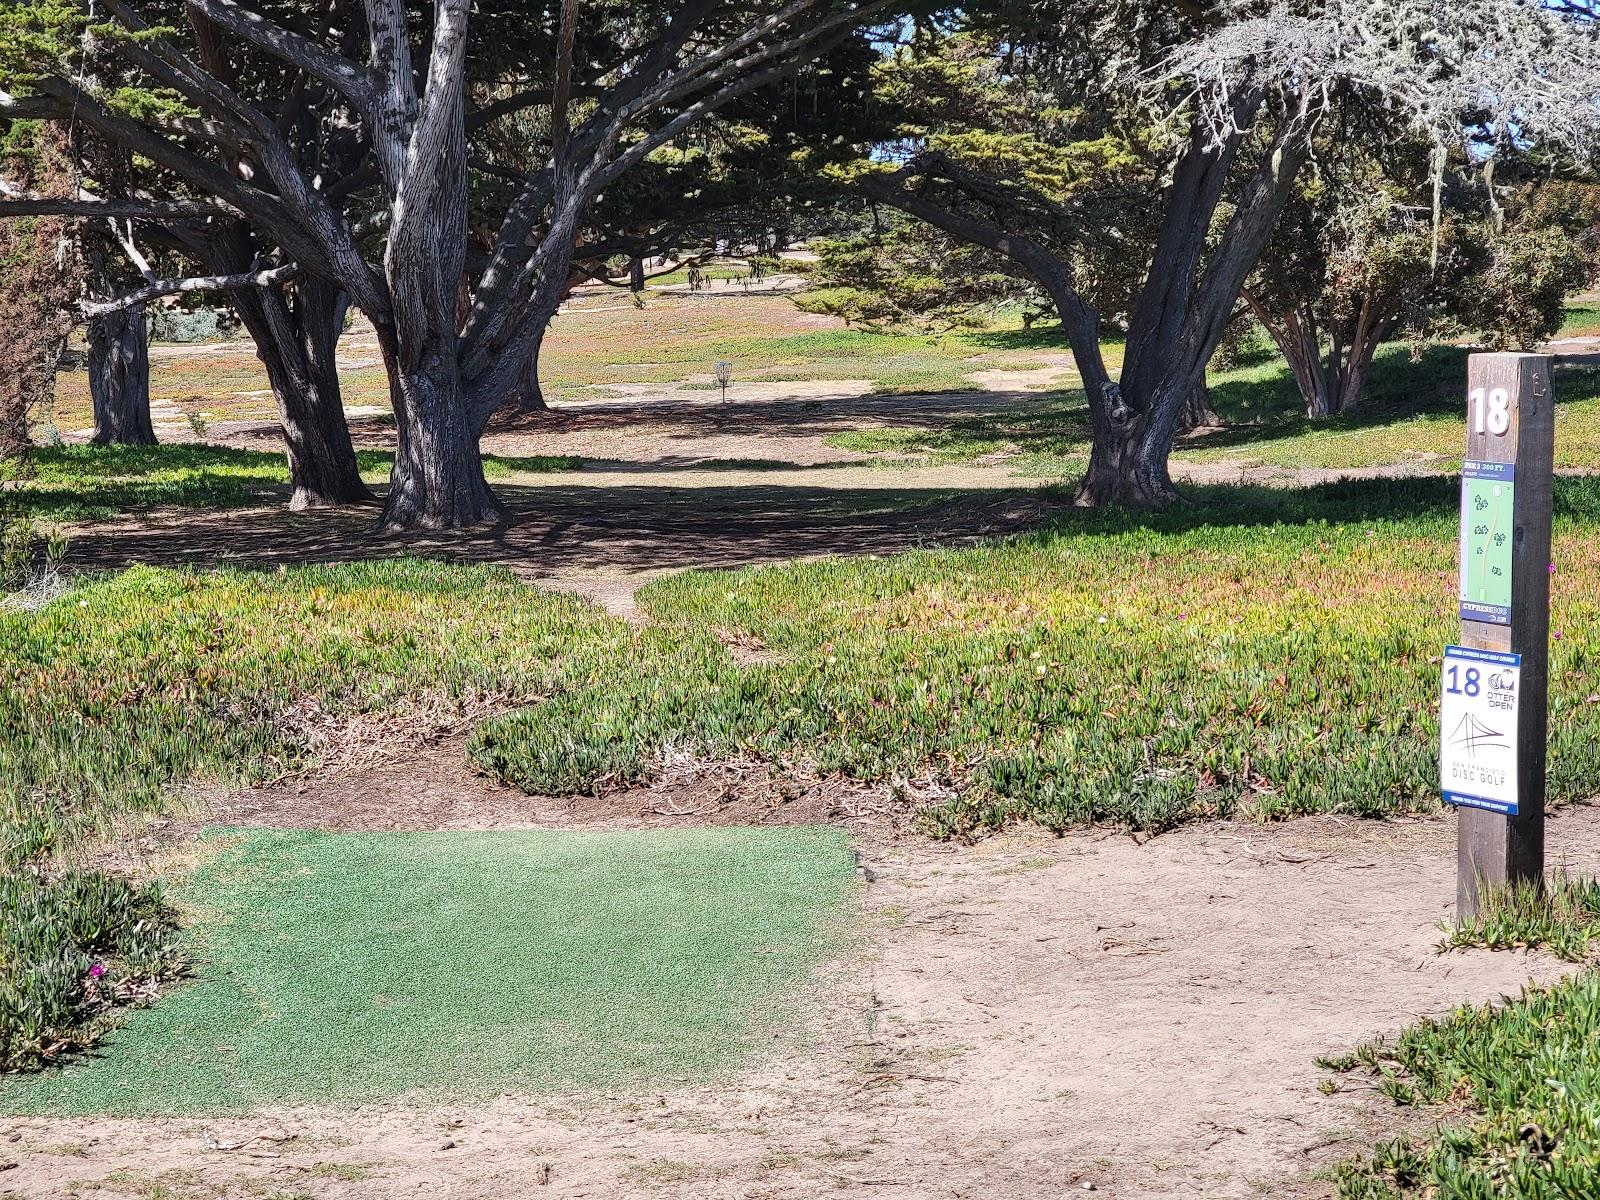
(97, 970)
(1552, 568)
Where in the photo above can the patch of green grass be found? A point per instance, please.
(1563, 917)
(1411, 413)
(93, 482)
(1050, 439)
(1522, 1082)
(80, 482)
(350, 968)
(1582, 320)
(502, 466)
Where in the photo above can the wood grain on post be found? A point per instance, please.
(1494, 850)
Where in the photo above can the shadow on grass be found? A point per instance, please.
(85, 483)
(1420, 501)
(623, 529)
(631, 529)
(1266, 406)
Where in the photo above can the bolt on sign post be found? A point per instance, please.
(1494, 685)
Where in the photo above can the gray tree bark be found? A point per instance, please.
(119, 379)
(529, 397)
(1330, 369)
(1190, 290)
(447, 378)
(437, 482)
(296, 332)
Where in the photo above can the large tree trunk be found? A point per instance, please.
(1128, 458)
(1297, 335)
(529, 396)
(437, 482)
(1198, 412)
(296, 331)
(119, 379)
(296, 343)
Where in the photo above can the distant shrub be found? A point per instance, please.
(192, 325)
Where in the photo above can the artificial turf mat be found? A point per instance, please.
(346, 968)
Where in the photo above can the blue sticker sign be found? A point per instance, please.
(1478, 694)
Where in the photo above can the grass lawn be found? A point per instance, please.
(677, 340)
(83, 483)
(1411, 414)
(350, 968)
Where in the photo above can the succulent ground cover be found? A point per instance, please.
(1262, 654)
(1515, 1084)
(1518, 1084)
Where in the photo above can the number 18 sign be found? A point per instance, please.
(1478, 728)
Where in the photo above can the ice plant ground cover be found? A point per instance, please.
(1265, 653)
(349, 968)
(1262, 654)
(1518, 1087)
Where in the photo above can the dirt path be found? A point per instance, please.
(1028, 1017)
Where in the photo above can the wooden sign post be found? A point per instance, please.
(1495, 684)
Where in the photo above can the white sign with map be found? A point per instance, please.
(1478, 728)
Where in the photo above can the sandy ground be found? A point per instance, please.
(1027, 1017)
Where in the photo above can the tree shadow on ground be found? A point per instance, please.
(1419, 500)
(609, 529)
(634, 530)
(1267, 407)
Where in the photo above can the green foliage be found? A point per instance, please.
(1105, 670)
(192, 324)
(1563, 917)
(1049, 438)
(74, 945)
(1082, 181)
(903, 273)
(83, 482)
(1550, 248)
(1525, 1077)
(38, 35)
(340, 968)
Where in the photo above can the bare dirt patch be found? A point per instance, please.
(434, 786)
(1023, 1017)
